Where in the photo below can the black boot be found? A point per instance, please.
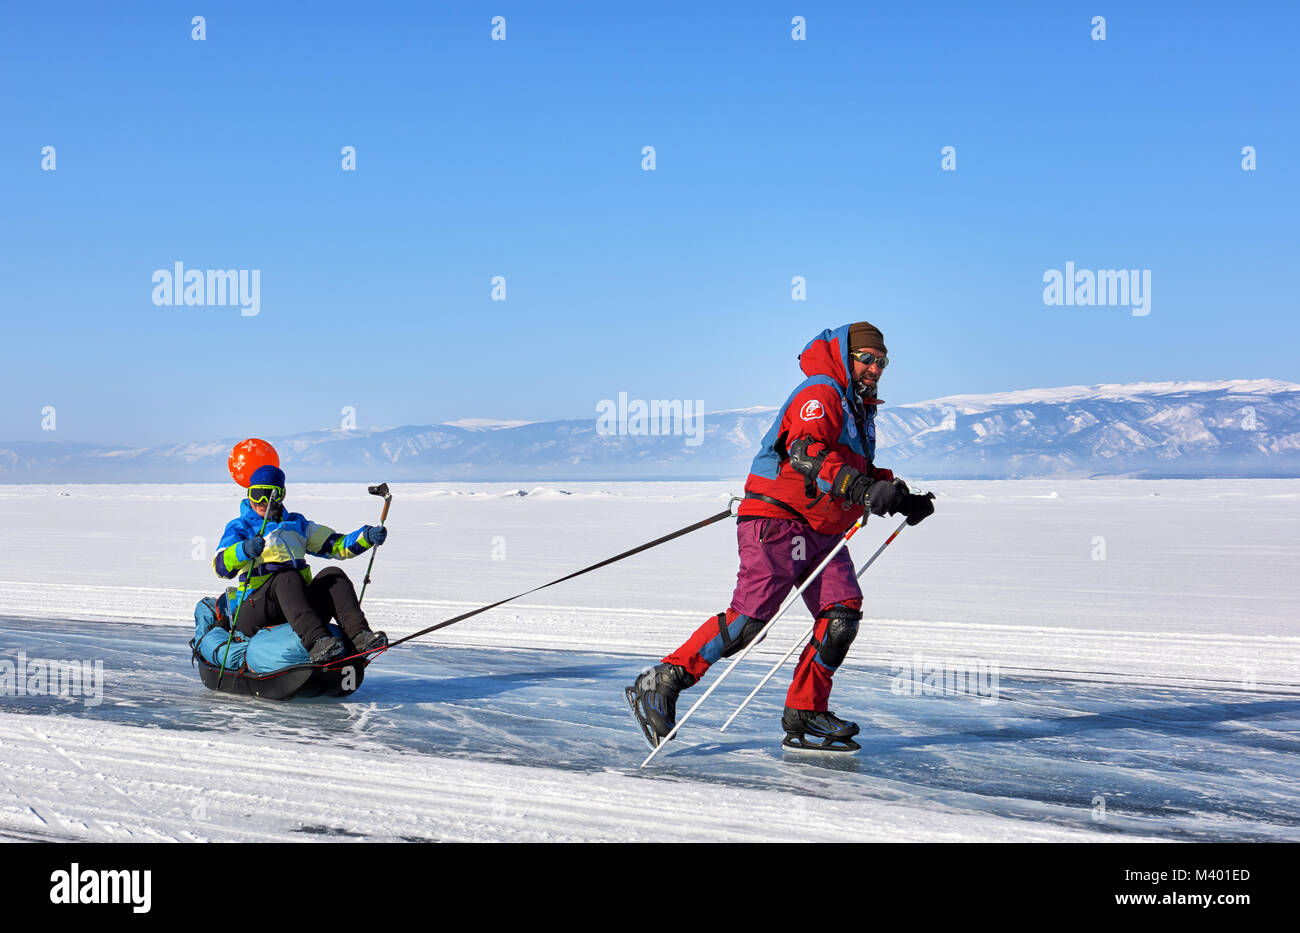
(325, 648)
(653, 698)
(369, 641)
(819, 731)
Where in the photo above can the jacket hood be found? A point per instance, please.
(827, 354)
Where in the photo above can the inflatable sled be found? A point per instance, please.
(272, 665)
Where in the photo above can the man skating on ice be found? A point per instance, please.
(279, 586)
(808, 485)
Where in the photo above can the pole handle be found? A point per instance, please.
(380, 490)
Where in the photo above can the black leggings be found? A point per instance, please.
(306, 607)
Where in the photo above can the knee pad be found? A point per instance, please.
(841, 628)
(736, 634)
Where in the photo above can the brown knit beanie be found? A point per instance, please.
(864, 336)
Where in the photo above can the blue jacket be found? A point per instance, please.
(288, 543)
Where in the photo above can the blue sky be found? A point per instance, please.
(523, 158)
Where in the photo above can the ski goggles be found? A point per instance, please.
(259, 494)
(866, 358)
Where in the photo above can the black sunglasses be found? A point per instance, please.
(866, 358)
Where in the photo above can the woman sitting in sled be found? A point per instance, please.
(268, 553)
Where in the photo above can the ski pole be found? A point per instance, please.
(759, 637)
(272, 506)
(380, 490)
(806, 635)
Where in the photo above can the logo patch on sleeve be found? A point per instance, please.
(812, 410)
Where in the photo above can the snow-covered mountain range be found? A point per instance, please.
(1172, 429)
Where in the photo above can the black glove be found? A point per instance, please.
(917, 508)
(885, 496)
(253, 547)
(852, 485)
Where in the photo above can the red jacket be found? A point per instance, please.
(827, 411)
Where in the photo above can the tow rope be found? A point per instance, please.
(577, 573)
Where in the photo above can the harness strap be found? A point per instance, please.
(771, 501)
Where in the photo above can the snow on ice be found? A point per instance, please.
(1133, 648)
